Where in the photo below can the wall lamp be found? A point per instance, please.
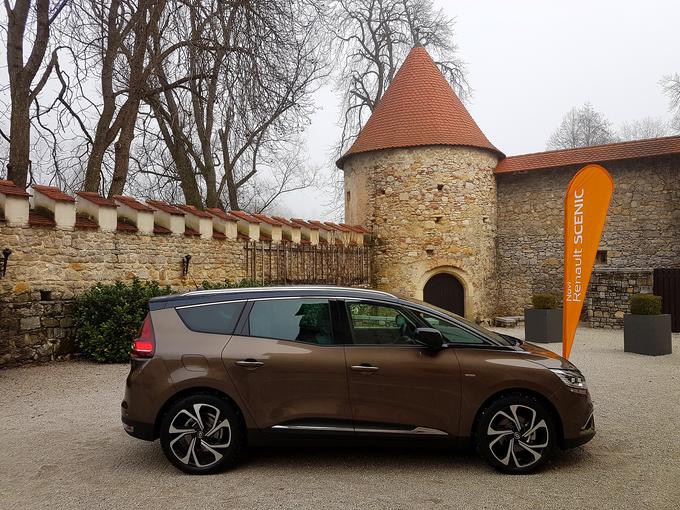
(185, 264)
(3, 263)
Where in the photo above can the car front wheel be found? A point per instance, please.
(516, 434)
(201, 434)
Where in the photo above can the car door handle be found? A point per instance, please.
(249, 363)
(365, 367)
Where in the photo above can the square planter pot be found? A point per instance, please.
(647, 334)
(542, 326)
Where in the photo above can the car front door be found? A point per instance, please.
(287, 365)
(396, 385)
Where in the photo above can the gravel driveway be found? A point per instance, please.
(62, 446)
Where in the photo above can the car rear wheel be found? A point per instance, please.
(516, 434)
(201, 434)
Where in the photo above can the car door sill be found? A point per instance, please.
(417, 431)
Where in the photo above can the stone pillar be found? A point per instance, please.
(103, 210)
(61, 205)
(14, 204)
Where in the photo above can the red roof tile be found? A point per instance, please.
(125, 226)
(84, 221)
(160, 230)
(165, 207)
(418, 108)
(190, 232)
(9, 188)
(132, 203)
(244, 216)
(265, 237)
(96, 198)
(593, 154)
(340, 227)
(266, 219)
(218, 235)
(302, 223)
(221, 214)
(242, 237)
(53, 192)
(320, 225)
(40, 219)
(285, 221)
(356, 228)
(190, 209)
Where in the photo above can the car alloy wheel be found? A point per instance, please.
(201, 434)
(516, 434)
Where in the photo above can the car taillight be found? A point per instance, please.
(144, 345)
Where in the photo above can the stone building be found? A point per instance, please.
(459, 224)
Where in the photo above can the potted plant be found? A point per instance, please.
(645, 329)
(543, 322)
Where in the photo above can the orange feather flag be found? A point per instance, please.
(585, 211)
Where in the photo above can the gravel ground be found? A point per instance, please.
(62, 446)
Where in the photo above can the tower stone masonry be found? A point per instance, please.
(460, 225)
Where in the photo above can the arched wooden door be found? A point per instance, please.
(445, 291)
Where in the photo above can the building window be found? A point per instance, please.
(601, 258)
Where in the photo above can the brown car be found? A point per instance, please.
(213, 371)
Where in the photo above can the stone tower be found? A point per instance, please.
(420, 176)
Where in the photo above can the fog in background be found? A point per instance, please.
(528, 63)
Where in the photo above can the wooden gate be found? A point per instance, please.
(288, 263)
(667, 285)
(445, 291)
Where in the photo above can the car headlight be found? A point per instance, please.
(571, 378)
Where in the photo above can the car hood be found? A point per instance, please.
(546, 358)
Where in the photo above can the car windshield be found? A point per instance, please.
(501, 339)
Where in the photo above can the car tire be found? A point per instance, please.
(202, 434)
(516, 434)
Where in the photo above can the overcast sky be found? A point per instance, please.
(529, 62)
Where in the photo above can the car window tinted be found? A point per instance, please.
(219, 318)
(380, 324)
(301, 320)
(451, 332)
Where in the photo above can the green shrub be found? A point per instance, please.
(645, 304)
(108, 317)
(544, 301)
(226, 284)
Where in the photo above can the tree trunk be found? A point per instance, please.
(122, 150)
(20, 140)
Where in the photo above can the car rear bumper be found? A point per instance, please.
(138, 429)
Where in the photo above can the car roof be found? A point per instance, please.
(233, 294)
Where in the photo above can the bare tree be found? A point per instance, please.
(373, 37)
(22, 74)
(249, 101)
(671, 87)
(581, 127)
(649, 127)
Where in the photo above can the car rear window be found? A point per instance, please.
(219, 318)
(300, 320)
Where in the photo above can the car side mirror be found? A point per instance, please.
(430, 338)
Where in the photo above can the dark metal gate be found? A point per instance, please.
(285, 263)
(667, 285)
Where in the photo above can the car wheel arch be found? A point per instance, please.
(187, 392)
(524, 391)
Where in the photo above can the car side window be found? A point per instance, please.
(218, 318)
(299, 320)
(378, 324)
(451, 332)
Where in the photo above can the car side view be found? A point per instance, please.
(214, 371)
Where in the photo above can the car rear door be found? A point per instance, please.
(288, 366)
(396, 385)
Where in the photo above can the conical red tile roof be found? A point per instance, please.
(418, 108)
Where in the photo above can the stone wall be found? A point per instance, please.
(431, 209)
(609, 294)
(642, 230)
(49, 267)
